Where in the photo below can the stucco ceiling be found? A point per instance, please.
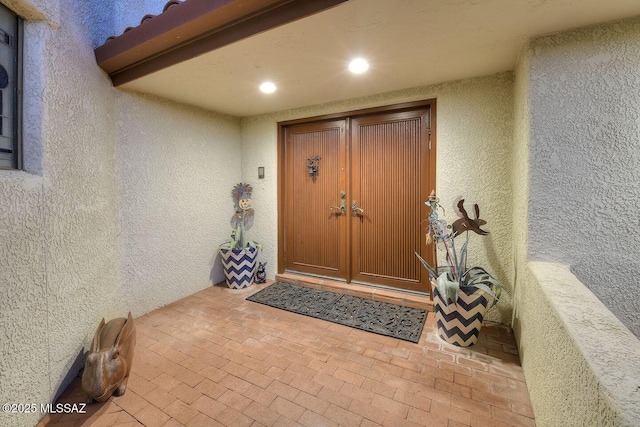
(408, 43)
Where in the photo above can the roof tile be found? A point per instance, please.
(169, 5)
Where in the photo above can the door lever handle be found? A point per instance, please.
(342, 208)
(355, 210)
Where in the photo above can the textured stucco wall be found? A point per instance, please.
(176, 168)
(474, 143)
(23, 293)
(123, 204)
(575, 180)
(585, 159)
(79, 194)
(61, 226)
(580, 362)
(24, 314)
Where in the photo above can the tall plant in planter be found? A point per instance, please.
(461, 294)
(239, 255)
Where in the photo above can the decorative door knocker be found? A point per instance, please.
(313, 165)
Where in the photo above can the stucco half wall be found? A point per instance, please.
(580, 362)
(474, 148)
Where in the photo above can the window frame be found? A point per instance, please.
(16, 105)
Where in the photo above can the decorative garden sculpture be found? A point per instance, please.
(108, 364)
(475, 289)
(239, 255)
(242, 219)
(464, 223)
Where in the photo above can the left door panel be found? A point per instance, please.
(315, 234)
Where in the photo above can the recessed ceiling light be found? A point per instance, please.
(267, 87)
(358, 66)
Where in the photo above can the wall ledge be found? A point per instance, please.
(37, 10)
(611, 352)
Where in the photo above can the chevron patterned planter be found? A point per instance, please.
(459, 324)
(239, 266)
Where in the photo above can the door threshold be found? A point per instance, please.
(393, 296)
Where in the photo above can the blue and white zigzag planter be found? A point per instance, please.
(239, 266)
(460, 323)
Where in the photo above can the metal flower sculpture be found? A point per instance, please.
(242, 219)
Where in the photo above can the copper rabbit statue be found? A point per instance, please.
(108, 364)
(465, 223)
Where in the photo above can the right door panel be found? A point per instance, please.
(389, 184)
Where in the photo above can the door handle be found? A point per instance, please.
(355, 210)
(342, 208)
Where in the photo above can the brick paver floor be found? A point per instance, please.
(214, 359)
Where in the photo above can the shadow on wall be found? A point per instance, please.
(497, 265)
(503, 311)
(72, 373)
(217, 273)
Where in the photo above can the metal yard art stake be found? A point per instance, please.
(238, 256)
(243, 218)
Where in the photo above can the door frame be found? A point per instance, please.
(406, 106)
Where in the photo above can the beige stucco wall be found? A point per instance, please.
(23, 293)
(123, 203)
(175, 171)
(474, 148)
(58, 235)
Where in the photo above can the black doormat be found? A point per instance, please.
(382, 318)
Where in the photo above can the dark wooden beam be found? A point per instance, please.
(193, 28)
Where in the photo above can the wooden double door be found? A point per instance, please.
(360, 217)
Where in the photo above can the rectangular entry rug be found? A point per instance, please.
(382, 318)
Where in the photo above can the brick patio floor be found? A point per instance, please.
(214, 359)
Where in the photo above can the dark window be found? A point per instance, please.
(10, 89)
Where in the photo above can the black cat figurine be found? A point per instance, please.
(261, 273)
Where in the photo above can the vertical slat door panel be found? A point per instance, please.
(389, 182)
(315, 235)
